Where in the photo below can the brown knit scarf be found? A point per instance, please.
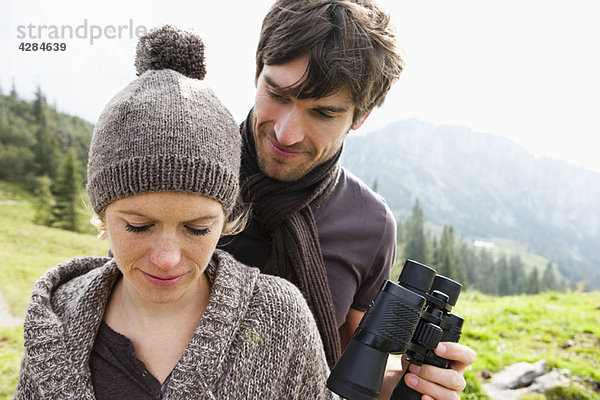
(283, 209)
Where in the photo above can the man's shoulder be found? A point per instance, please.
(353, 193)
(351, 204)
(350, 181)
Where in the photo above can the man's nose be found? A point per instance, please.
(289, 128)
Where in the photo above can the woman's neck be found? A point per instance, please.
(128, 311)
(160, 333)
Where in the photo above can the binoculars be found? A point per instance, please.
(410, 317)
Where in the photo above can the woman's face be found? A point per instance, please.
(163, 242)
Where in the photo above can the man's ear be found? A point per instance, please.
(361, 120)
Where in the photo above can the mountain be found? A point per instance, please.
(486, 187)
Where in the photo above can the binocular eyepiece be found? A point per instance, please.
(410, 317)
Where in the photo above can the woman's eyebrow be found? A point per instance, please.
(134, 213)
(139, 214)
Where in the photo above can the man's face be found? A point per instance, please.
(294, 135)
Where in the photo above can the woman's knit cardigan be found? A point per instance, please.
(257, 338)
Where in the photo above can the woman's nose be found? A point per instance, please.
(166, 255)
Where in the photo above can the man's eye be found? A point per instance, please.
(275, 96)
(197, 232)
(323, 115)
(137, 229)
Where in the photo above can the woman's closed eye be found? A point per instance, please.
(137, 228)
(141, 228)
(196, 231)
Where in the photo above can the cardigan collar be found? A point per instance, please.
(68, 304)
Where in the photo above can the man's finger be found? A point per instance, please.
(460, 355)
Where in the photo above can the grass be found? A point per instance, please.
(562, 328)
(11, 345)
(27, 250)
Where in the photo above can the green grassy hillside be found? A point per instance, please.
(27, 250)
(561, 328)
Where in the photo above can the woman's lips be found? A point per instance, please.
(162, 281)
(281, 152)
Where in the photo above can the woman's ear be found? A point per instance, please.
(98, 222)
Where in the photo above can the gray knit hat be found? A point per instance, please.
(165, 131)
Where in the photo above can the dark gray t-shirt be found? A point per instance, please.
(357, 234)
(116, 371)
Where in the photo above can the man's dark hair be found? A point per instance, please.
(349, 43)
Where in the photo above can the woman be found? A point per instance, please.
(169, 316)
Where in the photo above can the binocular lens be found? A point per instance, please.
(359, 372)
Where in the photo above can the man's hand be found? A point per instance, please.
(435, 383)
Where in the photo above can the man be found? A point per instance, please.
(321, 67)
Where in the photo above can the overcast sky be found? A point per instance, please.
(527, 70)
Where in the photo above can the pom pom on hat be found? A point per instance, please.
(168, 47)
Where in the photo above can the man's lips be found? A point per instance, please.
(162, 281)
(281, 152)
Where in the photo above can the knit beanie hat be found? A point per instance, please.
(166, 131)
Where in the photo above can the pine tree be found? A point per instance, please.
(13, 91)
(549, 280)
(44, 201)
(516, 275)
(448, 263)
(416, 247)
(399, 232)
(467, 259)
(46, 149)
(66, 191)
(436, 253)
(4, 124)
(375, 185)
(40, 108)
(503, 276)
(533, 282)
(486, 276)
